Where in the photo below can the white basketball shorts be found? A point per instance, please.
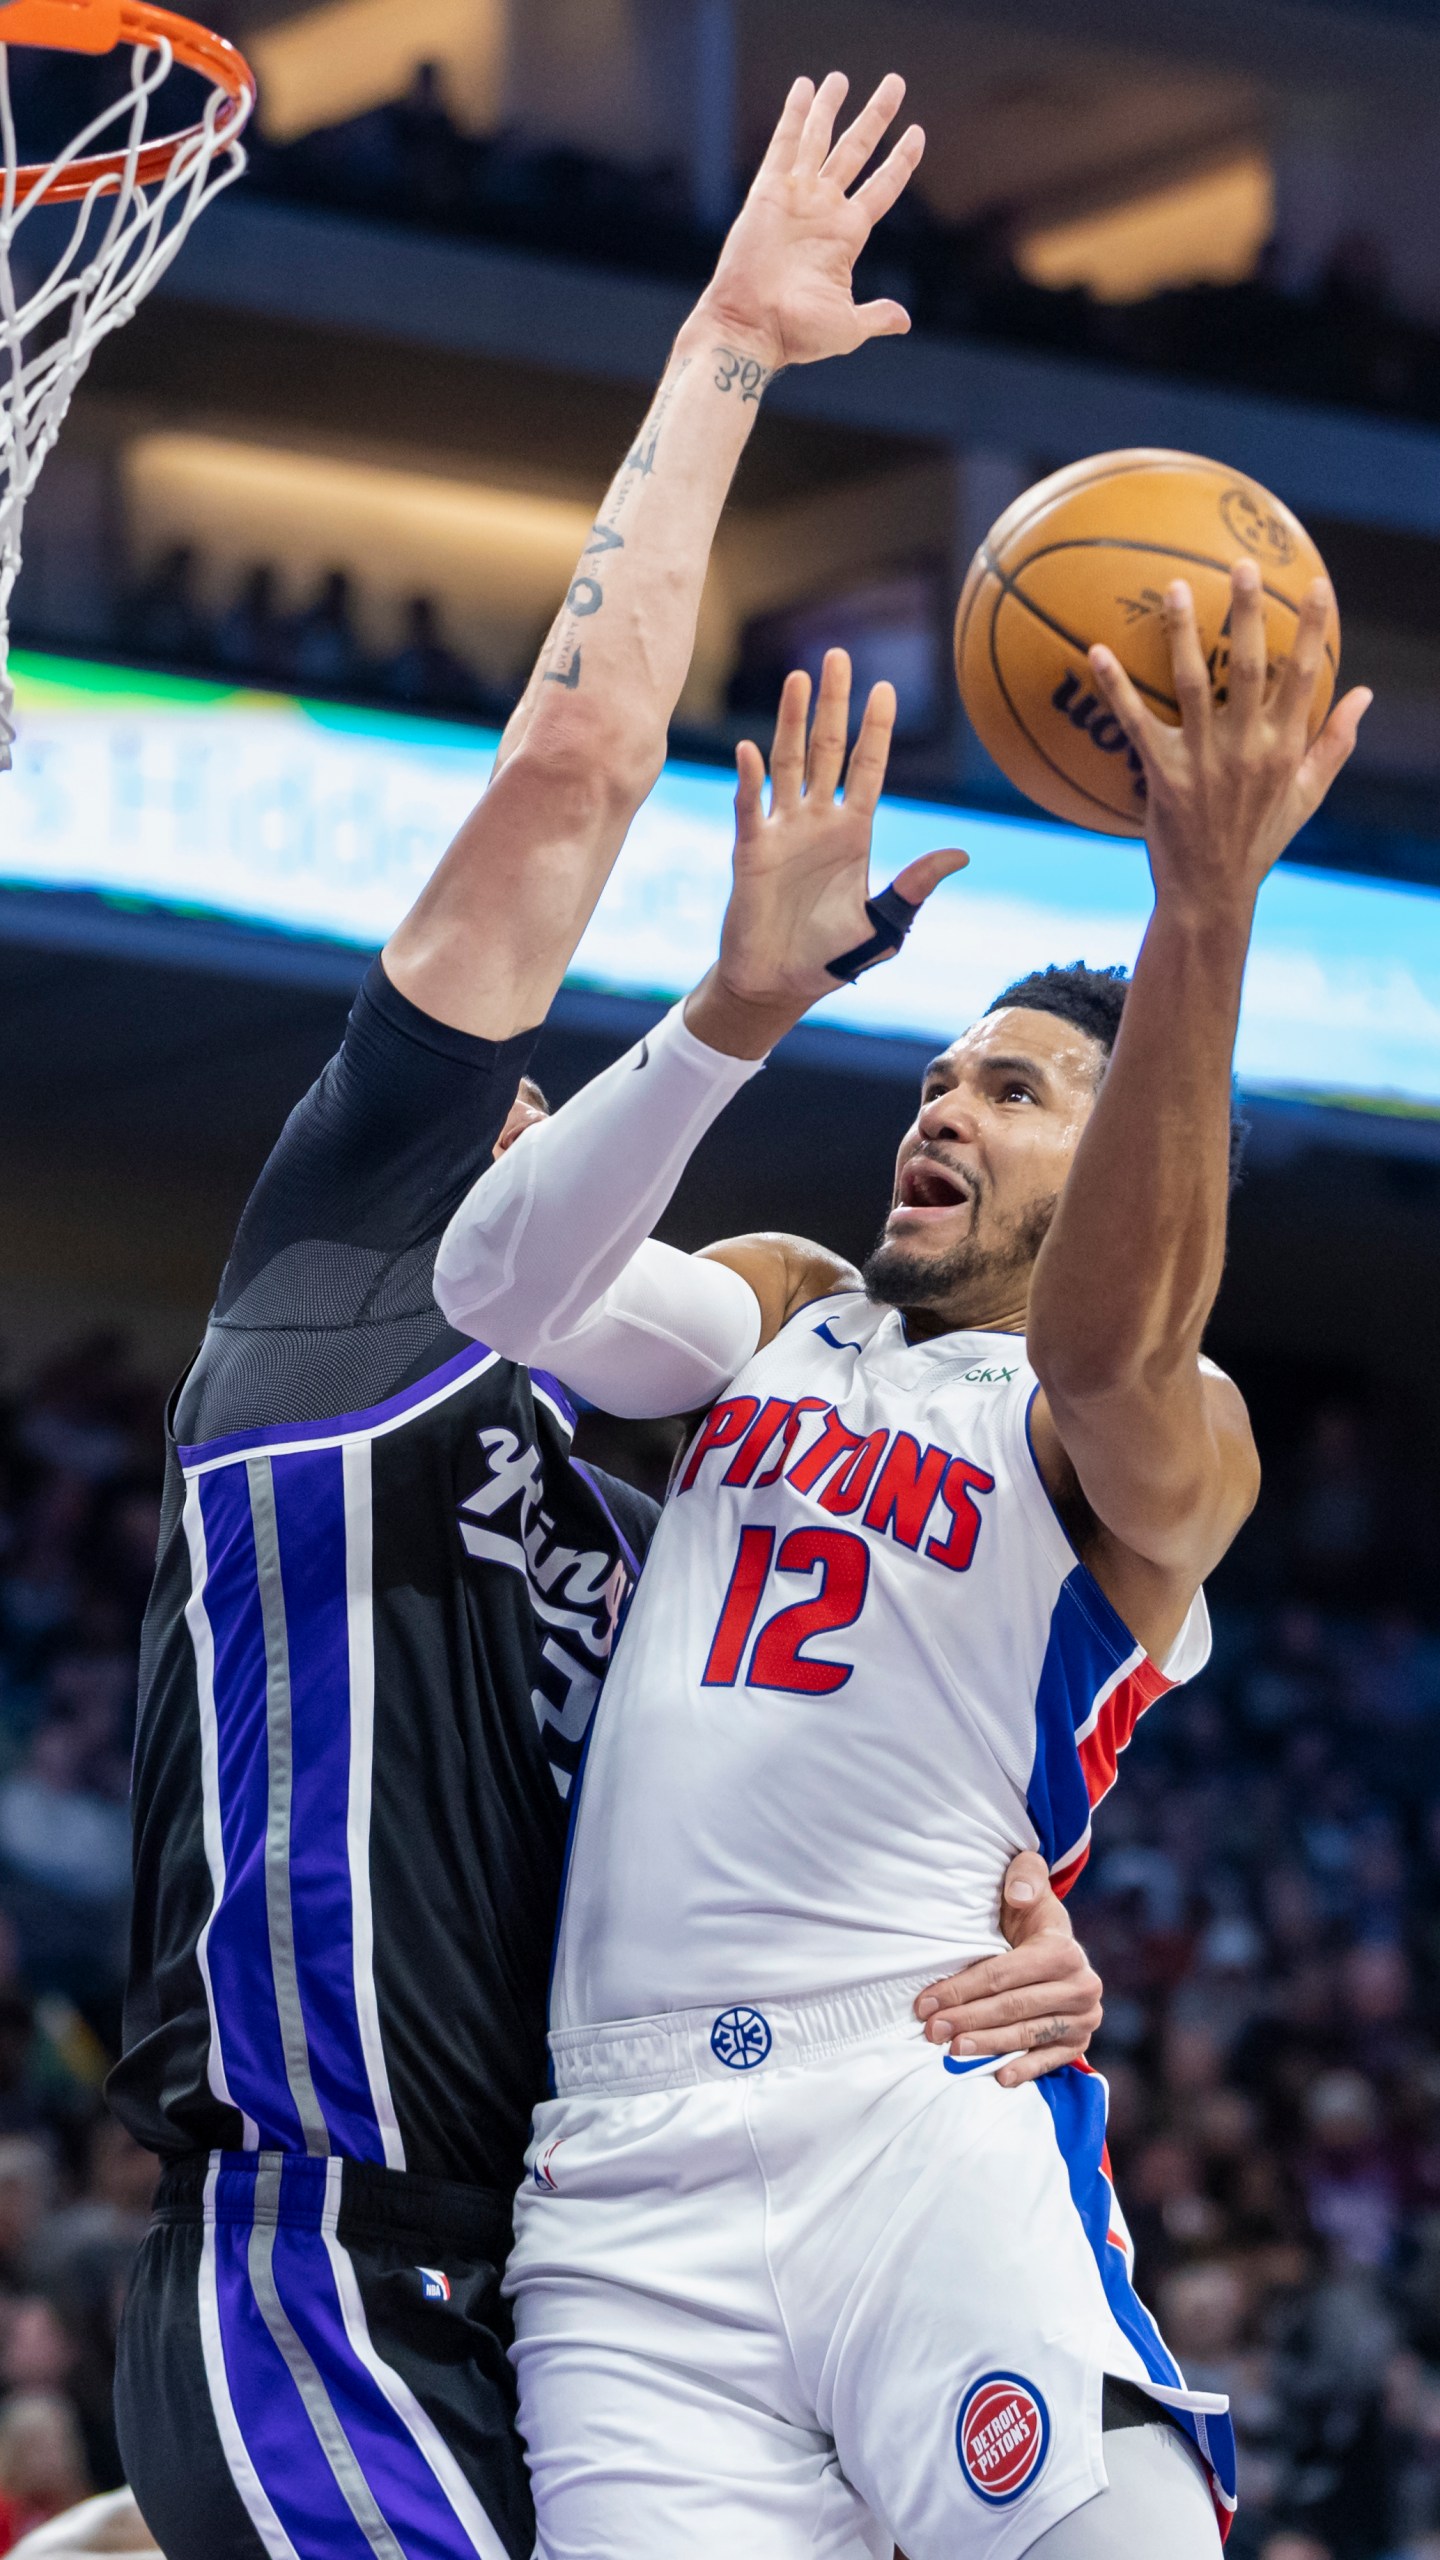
(790, 2283)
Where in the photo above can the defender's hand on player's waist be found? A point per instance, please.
(802, 867)
(1228, 788)
(782, 288)
(1040, 2002)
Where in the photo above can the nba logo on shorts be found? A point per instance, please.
(1002, 2436)
(434, 2284)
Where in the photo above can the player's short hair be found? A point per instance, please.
(1093, 1000)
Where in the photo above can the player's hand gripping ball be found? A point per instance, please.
(1086, 556)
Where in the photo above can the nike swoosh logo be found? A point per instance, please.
(834, 1339)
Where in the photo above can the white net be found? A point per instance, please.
(71, 271)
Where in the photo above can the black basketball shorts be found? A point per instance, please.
(312, 2366)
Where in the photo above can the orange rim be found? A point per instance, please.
(79, 26)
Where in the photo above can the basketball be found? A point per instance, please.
(1086, 556)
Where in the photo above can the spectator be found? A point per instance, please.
(1351, 2189)
(425, 673)
(42, 2462)
(22, 2105)
(250, 637)
(324, 649)
(432, 156)
(163, 619)
(1336, 1511)
(65, 1866)
(55, 1830)
(107, 2219)
(27, 2192)
(37, 2352)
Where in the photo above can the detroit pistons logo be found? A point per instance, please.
(1002, 2436)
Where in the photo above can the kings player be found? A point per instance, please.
(385, 1598)
(792, 2279)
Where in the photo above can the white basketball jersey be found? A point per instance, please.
(863, 1668)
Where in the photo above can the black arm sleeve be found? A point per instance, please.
(326, 1304)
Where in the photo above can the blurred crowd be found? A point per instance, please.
(79, 1516)
(319, 646)
(1263, 1901)
(1339, 337)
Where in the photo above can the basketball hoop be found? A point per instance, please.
(134, 198)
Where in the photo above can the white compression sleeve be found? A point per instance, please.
(666, 1337)
(549, 1258)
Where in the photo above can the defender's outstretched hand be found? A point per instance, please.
(783, 284)
(802, 867)
(490, 936)
(1040, 2002)
(1228, 789)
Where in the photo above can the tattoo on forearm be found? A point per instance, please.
(586, 594)
(745, 373)
(641, 456)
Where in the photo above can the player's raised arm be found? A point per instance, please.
(1127, 1276)
(550, 1256)
(487, 942)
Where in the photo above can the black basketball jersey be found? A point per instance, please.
(385, 1597)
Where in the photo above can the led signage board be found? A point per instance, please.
(307, 819)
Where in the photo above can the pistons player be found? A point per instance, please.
(385, 1597)
(791, 2279)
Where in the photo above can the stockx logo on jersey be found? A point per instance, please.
(576, 1593)
(901, 1489)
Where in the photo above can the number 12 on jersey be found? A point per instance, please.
(777, 1661)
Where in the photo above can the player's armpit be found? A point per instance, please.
(1152, 1482)
(786, 1273)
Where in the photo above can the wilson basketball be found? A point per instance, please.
(1087, 555)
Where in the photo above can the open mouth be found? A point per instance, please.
(929, 1188)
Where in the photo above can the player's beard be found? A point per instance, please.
(971, 1281)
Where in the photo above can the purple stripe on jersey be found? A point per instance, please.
(627, 1551)
(272, 2418)
(239, 1939)
(341, 1426)
(1077, 2104)
(1088, 1643)
(310, 1519)
(395, 2471)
